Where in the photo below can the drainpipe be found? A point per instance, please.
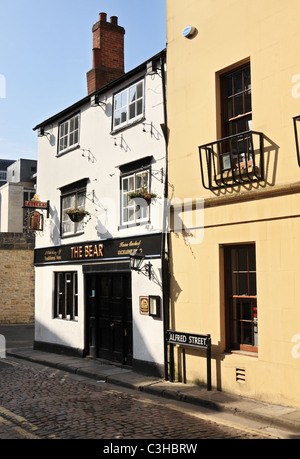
(165, 232)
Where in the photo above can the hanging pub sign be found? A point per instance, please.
(35, 221)
(35, 203)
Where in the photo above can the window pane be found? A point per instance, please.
(132, 111)
(123, 115)
(243, 259)
(248, 104)
(140, 90)
(246, 337)
(124, 99)
(243, 284)
(139, 107)
(252, 284)
(117, 102)
(117, 119)
(238, 105)
(246, 311)
(238, 82)
(229, 87)
(132, 94)
(229, 108)
(252, 261)
(131, 183)
(247, 78)
(131, 214)
(80, 201)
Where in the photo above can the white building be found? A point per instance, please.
(88, 299)
(19, 187)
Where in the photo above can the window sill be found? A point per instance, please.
(245, 353)
(66, 236)
(68, 150)
(118, 129)
(243, 170)
(133, 225)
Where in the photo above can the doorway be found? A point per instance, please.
(109, 316)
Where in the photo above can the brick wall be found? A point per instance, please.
(108, 53)
(16, 278)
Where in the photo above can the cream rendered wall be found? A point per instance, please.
(228, 32)
(267, 32)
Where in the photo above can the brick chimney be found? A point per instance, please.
(108, 53)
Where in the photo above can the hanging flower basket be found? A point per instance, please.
(142, 193)
(77, 215)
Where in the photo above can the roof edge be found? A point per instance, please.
(105, 88)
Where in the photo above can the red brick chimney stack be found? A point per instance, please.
(108, 53)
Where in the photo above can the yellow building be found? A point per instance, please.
(233, 93)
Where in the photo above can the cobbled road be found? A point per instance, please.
(38, 402)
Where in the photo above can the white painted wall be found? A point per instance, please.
(11, 202)
(104, 185)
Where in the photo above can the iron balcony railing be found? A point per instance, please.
(296, 120)
(233, 160)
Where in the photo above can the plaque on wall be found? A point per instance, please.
(144, 305)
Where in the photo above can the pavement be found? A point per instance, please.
(19, 344)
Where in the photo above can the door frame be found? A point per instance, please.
(91, 326)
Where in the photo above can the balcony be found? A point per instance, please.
(232, 161)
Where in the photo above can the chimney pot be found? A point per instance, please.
(114, 20)
(102, 17)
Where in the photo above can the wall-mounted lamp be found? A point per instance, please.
(42, 132)
(95, 101)
(136, 261)
(297, 136)
(154, 306)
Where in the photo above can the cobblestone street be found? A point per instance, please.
(37, 402)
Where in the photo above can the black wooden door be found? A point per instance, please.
(110, 316)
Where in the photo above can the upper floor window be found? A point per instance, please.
(128, 105)
(68, 133)
(236, 101)
(134, 211)
(237, 117)
(72, 196)
(3, 175)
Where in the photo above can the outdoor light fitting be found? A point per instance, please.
(136, 261)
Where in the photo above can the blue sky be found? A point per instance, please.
(46, 50)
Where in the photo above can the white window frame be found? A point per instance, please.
(134, 211)
(69, 201)
(66, 299)
(129, 105)
(69, 131)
